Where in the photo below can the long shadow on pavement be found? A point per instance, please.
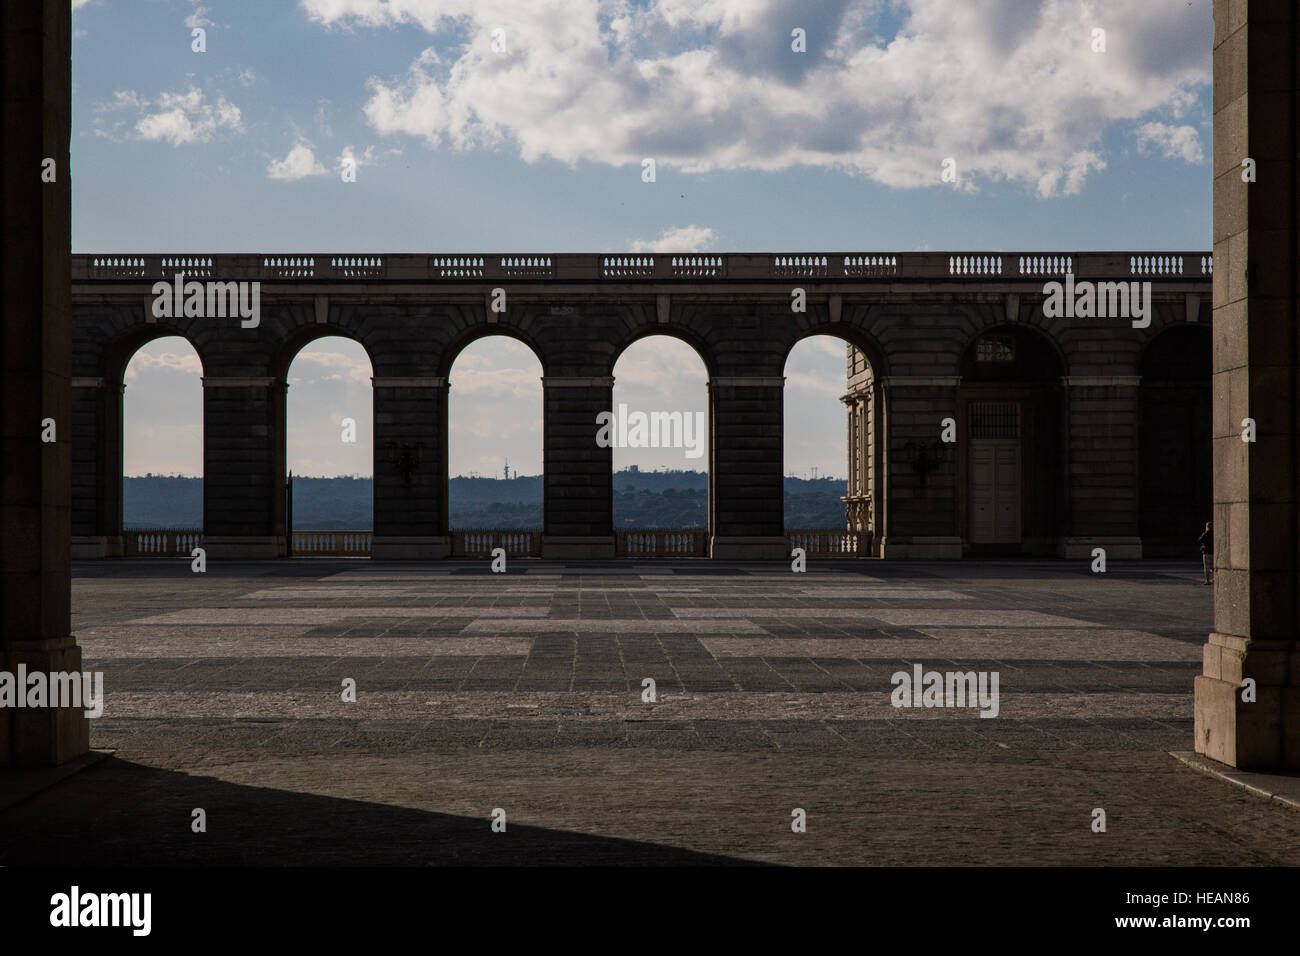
(119, 813)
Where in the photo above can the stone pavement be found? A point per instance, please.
(524, 691)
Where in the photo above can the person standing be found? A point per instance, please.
(1206, 541)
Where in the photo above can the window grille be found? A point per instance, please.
(995, 348)
(994, 420)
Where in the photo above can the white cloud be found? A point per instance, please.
(198, 17)
(813, 382)
(299, 164)
(662, 364)
(122, 99)
(182, 118)
(1171, 142)
(521, 383)
(1010, 88)
(677, 239)
(365, 158)
(146, 362)
(311, 366)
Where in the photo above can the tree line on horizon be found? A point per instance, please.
(642, 499)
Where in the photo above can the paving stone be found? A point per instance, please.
(773, 691)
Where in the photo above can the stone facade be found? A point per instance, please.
(911, 322)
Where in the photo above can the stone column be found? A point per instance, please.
(746, 467)
(243, 467)
(857, 498)
(1102, 416)
(919, 513)
(410, 484)
(1256, 375)
(36, 345)
(578, 475)
(96, 470)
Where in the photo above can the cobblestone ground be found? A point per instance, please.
(523, 691)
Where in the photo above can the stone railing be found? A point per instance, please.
(161, 542)
(655, 267)
(333, 544)
(659, 543)
(480, 543)
(828, 543)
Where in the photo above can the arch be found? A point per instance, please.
(1038, 356)
(474, 501)
(1180, 353)
(117, 353)
(1175, 447)
(854, 335)
(288, 348)
(854, 446)
(451, 351)
(115, 358)
(1012, 447)
(682, 499)
(670, 330)
(307, 496)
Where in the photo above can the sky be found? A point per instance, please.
(515, 126)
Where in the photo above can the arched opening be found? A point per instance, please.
(161, 473)
(1011, 444)
(495, 488)
(329, 449)
(829, 468)
(1175, 464)
(658, 432)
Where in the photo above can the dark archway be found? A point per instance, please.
(1175, 464)
(1010, 449)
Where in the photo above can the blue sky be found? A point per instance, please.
(537, 145)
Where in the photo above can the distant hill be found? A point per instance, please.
(642, 499)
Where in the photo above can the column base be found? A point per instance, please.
(44, 736)
(252, 547)
(1259, 735)
(748, 548)
(1117, 549)
(408, 548)
(596, 547)
(918, 548)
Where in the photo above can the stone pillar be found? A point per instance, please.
(1102, 416)
(36, 345)
(919, 511)
(410, 484)
(1256, 374)
(857, 500)
(746, 467)
(243, 467)
(578, 475)
(96, 469)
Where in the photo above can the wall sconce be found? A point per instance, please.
(405, 457)
(924, 457)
